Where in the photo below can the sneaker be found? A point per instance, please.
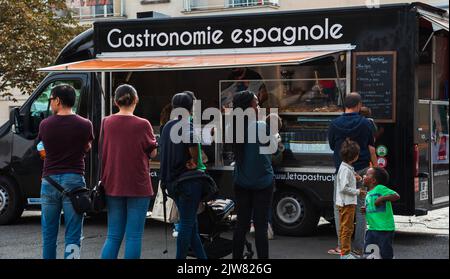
(335, 251)
(356, 252)
(270, 235)
(348, 257)
(252, 229)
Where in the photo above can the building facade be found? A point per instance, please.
(91, 10)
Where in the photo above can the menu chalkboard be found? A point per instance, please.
(374, 78)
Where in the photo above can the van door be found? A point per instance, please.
(439, 152)
(423, 145)
(25, 162)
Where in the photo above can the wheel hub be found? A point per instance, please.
(4, 199)
(289, 210)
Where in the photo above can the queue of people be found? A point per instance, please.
(127, 143)
(351, 137)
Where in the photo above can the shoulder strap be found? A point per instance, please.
(55, 184)
(100, 149)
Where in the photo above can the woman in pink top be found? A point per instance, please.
(128, 144)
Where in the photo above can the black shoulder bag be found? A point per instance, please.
(80, 197)
(98, 191)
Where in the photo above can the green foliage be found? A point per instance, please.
(32, 33)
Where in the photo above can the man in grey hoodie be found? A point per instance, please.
(357, 128)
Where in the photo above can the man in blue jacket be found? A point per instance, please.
(356, 127)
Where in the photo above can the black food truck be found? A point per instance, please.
(299, 62)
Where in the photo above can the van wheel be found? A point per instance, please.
(294, 214)
(11, 202)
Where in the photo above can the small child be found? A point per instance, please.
(346, 195)
(379, 215)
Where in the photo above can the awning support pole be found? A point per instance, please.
(338, 80)
(103, 77)
(428, 41)
(110, 95)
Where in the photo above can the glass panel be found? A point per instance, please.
(441, 69)
(94, 8)
(307, 96)
(440, 150)
(306, 142)
(423, 137)
(289, 95)
(40, 108)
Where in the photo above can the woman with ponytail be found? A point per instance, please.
(128, 143)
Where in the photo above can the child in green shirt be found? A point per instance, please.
(379, 215)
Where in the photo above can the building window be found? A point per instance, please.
(144, 2)
(91, 9)
(248, 3)
(196, 5)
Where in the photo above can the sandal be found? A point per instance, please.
(334, 251)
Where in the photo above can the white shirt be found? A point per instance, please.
(346, 192)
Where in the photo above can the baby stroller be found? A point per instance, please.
(212, 222)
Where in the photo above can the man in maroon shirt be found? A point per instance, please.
(66, 138)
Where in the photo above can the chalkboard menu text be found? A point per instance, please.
(374, 78)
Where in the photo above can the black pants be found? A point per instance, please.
(248, 202)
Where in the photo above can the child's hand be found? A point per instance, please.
(362, 193)
(363, 209)
(191, 164)
(379, 201)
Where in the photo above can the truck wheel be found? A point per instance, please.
(11, 202)
(294, 214)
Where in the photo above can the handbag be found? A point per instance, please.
(80, 197)
(158, 208)
(98, 196)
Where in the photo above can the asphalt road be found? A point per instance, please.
(426, 238)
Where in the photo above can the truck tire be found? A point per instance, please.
(294, 214)
(11, 201)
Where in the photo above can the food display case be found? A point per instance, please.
(305, 141)
(306, 97)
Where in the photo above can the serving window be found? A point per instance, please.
(307, 96)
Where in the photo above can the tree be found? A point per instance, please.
(31, 36)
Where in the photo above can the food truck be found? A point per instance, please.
(301, 63)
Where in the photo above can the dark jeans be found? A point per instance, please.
(382, 239)
(258, 202)
(187, 203)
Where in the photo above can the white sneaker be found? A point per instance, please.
(348, 257)
(270, 235)
(252, 229)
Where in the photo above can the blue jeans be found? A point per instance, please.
(126, 217)
(382, 239)
(187, 202)
(53, 202)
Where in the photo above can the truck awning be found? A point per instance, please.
(436, 21)
(188, 62)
